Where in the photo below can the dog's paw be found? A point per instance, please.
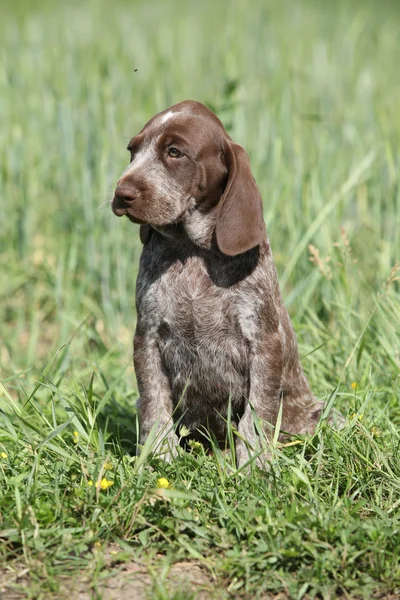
(168, 449)
(260, 457)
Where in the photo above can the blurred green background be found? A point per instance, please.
(311, 90)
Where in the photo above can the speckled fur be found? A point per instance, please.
(212, 328)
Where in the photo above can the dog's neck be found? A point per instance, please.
(196, 227)
(195, 235)
(199, 226)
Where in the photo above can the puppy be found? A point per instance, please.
(212, 330)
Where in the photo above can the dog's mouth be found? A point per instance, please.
(124, 211)
(127, 211)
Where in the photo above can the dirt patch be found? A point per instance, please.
(129, 581)
(14, 582)
(135, 583)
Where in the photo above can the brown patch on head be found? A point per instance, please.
(184, 162)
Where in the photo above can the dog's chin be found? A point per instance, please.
(126, 212)
(135, 220)
(154, 223)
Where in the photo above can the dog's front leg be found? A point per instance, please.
(155, 405)
(264, 396)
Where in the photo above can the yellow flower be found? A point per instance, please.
(103, 484)
(163, 483)
(376, 432)
(354, 385)
(76, 437)
(108, 466)
(3, 454)
(195, 446)
(357, 417)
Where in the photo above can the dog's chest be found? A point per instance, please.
(200, 330)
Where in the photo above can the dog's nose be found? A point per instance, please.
(126, 195)
(123, 199)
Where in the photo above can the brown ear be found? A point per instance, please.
(240, 223)
(145, 231)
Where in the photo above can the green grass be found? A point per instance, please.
(313, 92)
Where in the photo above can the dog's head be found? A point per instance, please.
(183, 161)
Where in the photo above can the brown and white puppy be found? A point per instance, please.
(212, 328)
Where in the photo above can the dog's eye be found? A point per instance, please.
(174, 152)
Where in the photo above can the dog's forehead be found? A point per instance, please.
(188, 108)
(181, 119)
(186, 117)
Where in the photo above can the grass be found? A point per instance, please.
(312, 91)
